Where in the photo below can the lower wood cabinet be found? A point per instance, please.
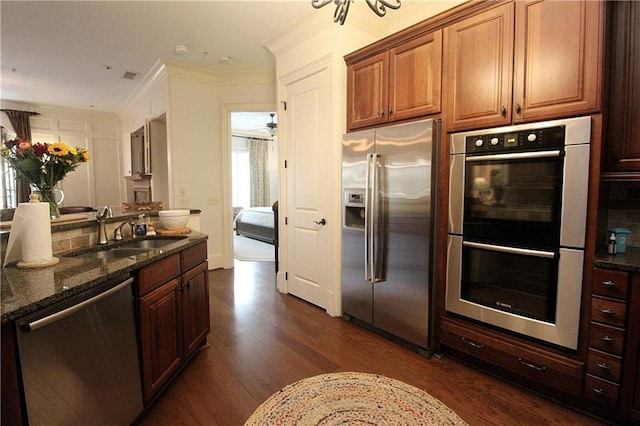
(174, 315)
(532, 364)
(612, 381)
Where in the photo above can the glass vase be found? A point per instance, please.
(49, 196)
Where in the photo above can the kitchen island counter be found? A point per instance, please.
(629, 261)
(24, 291)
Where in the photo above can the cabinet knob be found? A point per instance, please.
(607, 311)
(503, 111)
(390, 111)
(603, 365)
(607, 339)
(609, 283)
(382, 112)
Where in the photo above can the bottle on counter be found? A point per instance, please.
(612, 245)
(141, 227)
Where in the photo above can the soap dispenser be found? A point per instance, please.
(141, 227)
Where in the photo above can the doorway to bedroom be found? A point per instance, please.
(254, 184)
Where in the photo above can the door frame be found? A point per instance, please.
(227, 208)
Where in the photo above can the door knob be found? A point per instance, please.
(322, 222)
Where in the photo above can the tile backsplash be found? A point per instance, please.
(624, 209)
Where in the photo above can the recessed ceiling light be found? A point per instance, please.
(181, 50)
(224, 60)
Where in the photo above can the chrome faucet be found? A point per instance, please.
(101, 217)
(117, 233)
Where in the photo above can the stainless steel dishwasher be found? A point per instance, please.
(79, 359)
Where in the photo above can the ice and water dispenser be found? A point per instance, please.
(353, 202)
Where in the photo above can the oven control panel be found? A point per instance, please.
(522, 140)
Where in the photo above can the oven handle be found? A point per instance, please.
(516, 156)
(511, 250)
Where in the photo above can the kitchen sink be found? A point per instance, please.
(151, 244)
(114, 252)
(132, 248)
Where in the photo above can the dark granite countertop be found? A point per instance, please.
(24, 291)
(629, 261)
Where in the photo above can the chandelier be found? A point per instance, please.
(379, 7)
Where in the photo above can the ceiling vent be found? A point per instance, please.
(130, 75)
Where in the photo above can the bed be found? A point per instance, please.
(257, 223)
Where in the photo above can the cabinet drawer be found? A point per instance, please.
(606, 338)
(601, 391)
(158, 273)
(559, 373)
(604, 365)
(608, 311)
(610, 283)
(193, 256)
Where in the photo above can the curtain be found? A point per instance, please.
(259, 173)
(21, 125)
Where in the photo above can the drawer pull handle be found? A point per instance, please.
(607, 311)
(599, 391)
(472, 344)
(530, 365)
(603, 365)
(607, 339)
(609, 283)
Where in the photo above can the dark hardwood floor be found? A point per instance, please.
(262, 340)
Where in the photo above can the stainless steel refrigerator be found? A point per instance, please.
(388, 189)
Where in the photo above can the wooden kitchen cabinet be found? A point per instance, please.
(612, 368)
(523, 61)
(622, 135)
(160, 314)
(195, 308)
(399, 83)
(174, 314)
(531, 364)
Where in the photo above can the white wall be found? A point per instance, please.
(198, 141)
(92, 183)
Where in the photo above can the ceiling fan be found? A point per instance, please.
(272, 127)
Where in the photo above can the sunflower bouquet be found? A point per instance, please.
(43, 164)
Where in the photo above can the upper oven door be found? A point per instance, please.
(514, 198)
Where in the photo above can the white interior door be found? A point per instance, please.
(309, 262)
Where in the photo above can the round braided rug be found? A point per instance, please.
(352, 398)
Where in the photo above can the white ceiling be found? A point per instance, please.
(74, 53)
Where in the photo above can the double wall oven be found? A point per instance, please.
(517, 221)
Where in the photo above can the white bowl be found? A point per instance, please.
(173, 219)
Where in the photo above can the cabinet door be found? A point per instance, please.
(558, 68)
(195, 308)
(161, 337)
(414, 77)
(367, 91)
(623, 127)
(478, 70)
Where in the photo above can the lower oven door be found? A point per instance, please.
(531, 292)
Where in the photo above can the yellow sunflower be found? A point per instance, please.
(58, 149)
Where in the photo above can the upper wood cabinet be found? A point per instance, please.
(523, 61)
(400, 83)
(622, 136)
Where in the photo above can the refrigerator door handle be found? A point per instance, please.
(373, 246)
(367, 219)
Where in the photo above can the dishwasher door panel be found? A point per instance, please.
(83, 368)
